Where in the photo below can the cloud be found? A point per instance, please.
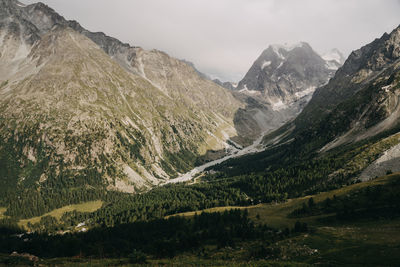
(224, 37)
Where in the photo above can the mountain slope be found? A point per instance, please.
(349, 131)
(227, 85)
(176, 78)
(278, 86)
(73, 115)
(361, 101)
(282, 75)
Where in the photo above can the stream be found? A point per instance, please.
(255, 147)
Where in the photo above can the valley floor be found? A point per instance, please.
(190, 175)
(328, 241)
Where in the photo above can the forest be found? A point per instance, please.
(159, 238)
(271, 176)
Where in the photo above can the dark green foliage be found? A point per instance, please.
(16, 261)
(300, 227)
(274, 175)
(133, 148)
(137, 257)
(382, 201)
(160, 238)
(3, 84)
(35, 203)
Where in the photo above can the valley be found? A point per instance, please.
(253, 148)
(335, 237)
(116, 155)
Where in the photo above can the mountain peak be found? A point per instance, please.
(334, 59)
(334, 54)
(289, 47)
(282, 50)
(374, 56)
(363, 88)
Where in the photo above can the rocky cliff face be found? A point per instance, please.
(279, 84)
(359, 102)
(284, 74)
(84, 109)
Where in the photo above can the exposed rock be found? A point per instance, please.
(278, 86)
(283, 74)
(388, 162)
(86, 106)
(360, 101)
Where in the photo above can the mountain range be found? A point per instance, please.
(103, 144)
(79, 102)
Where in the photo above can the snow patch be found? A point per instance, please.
(331, 65)
(247, 91)
(265, 64)
(386, 88)
(286, 47)
(305, 92)
(20, 4)
(332, 56)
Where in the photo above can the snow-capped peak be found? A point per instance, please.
(286, 47)
(334, 55)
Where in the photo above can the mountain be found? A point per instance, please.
(282, 74)
(83, 110)
(227, 85)
(361, 100)
(278, 86)
(348, 133)
(85, 120)
(191, 64)
(334, 59)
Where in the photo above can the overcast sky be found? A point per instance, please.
(223, 37)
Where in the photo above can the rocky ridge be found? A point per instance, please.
(279, 84)
(362, 99)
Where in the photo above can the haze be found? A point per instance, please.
(223, 37)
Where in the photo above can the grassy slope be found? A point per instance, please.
(363, 242)
(2, 210)
(275, 215)
(90, 206)
(368, 242)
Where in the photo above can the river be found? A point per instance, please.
(255, 147)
